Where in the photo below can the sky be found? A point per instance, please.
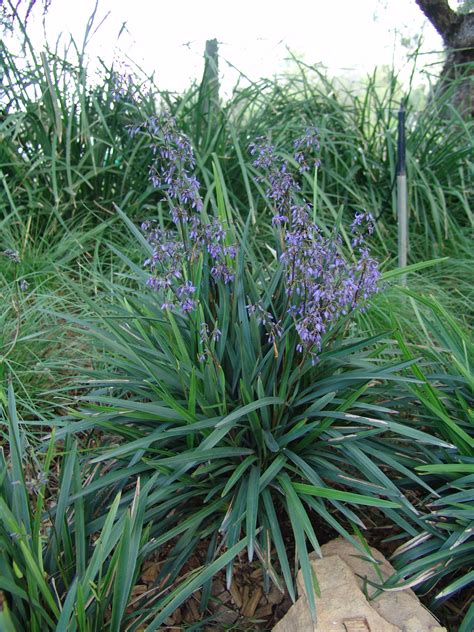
(167, 37)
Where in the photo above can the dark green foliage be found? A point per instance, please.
(441, 558)
(255, 440)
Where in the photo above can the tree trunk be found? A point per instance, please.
(457, 32)
(210, 80)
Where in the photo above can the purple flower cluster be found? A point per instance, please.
(12, 255)
(265, 318)
(174, 252)
(171, 169)
(321, 284)
(122, 86)
(307, 143)
(282, 183)
(172, 258)
(207, 337)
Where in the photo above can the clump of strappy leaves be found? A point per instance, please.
(239, 384)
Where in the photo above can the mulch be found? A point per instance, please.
(246, 606)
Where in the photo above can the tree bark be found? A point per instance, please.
(457, 32)
(210, 79)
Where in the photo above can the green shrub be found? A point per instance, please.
(251, 430)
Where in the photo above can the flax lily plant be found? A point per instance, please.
(240, 384)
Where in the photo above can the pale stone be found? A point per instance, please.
(341, 599)
(297, 619)
(343, 606)
(402, 608)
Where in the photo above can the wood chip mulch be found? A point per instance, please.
(244, 607)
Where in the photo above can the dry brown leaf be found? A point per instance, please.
(245, 597)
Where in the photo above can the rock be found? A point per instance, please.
(297, 619)
(343, 606)
(341, 599)
(402, 608)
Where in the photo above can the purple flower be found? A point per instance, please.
(363, 225)
(173, 253)
(184, 294)
(188, 304)
(230, 251)
(204, 333)
(154, 283)
(187, 289)
(171, 256)
(206, 339)
(221, 272)
(12, 255)
(282, 183)
(171, 169)
(321, 284)
(305, 145)
(279, 219)
(265, 153)
(122, 85)
(261, 314)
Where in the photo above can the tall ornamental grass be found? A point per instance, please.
(60, 568)
(357, 125)
(66, 156)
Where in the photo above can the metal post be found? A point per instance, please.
(402, 205)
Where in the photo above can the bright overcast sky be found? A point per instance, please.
(168, 36)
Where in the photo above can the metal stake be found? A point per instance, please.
(402, 206)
